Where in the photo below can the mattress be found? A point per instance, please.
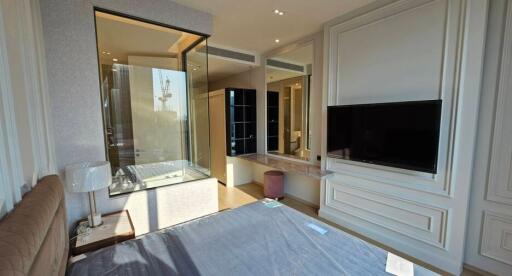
(262, 238)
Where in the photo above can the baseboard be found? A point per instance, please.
(477, 270)
(302, 201)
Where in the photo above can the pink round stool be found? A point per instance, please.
(273, 184)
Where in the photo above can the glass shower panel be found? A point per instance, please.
(196, 60)
(158, 118)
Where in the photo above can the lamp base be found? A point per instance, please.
(94, 220)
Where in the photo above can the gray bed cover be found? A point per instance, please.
(255, 239)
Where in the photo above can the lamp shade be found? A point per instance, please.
(88, 176)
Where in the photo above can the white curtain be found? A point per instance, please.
(26, 142)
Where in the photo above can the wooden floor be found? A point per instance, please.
(230, 198)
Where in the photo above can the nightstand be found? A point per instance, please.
(117, 227)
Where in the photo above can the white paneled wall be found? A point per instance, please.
(489, 239)
(401, 51)
(26, 142)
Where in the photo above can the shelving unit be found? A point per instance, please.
(240, 121)
(272, 120)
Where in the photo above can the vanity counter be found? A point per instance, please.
(285, 165)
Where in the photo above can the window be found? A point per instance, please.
(155, 103)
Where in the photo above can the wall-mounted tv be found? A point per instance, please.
(401, 134)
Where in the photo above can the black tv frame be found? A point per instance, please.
(391, 164)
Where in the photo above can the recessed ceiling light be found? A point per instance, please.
(108, 53)
(115, 59)
(195, 69)
(278, 12)
(277, 40)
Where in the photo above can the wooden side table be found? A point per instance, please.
(117, 227)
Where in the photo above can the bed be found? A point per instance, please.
(262, 238)
(34, 236)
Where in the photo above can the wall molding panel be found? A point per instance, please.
(418, 221)
(408, 50)
(500, 173)
(497, 237)
(441, 60)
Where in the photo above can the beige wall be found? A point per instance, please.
(303, 188)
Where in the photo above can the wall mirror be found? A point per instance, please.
(154, 95)
(288, 102)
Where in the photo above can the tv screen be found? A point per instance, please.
(401, 135)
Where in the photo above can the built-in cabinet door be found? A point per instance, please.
(218, 135)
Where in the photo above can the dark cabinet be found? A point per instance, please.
(272, 121)
(240, 121)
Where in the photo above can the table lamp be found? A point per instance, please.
(89, 177)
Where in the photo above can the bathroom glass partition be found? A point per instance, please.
(155, 106)
(196, 64)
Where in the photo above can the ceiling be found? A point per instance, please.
(252, 25)
(247, 25)
(219, 68)
(122, 37)
(302, 55)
